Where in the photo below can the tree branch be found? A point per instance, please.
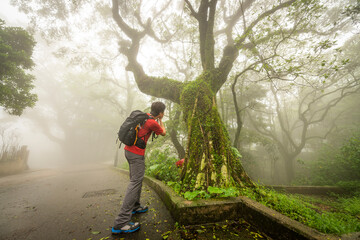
(193, 12)
(130, 32)
(232, 20)
(231, 52)
(147, 26)
(154, 86)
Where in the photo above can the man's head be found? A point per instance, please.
(157, 108)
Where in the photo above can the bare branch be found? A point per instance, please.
(231, 52)
(147, 26)
(236, 105)
(232, 20)
(262, 16)
(193, 12)
(333, 126)
(332, 104)
(280, 117)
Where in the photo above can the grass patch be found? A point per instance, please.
(333, 216)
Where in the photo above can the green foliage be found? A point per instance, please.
(196, 194)
(161, 165)
(176, 186)
(338, 166)
(215, 190)
(16, 49)
(212, 192)
(343, 220)
(351, 205)
(353, 11)
(223, 193)
(236, 153)
(350, 186)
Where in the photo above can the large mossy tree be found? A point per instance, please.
(210, 160)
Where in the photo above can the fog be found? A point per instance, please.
(288, 112)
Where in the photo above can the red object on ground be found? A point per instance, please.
(180, 163)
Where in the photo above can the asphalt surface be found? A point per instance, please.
(74, 203)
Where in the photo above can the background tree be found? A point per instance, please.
(16, 49)
(297, 115)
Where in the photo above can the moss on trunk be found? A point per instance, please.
(210, 160)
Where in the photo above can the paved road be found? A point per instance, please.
(75, 203)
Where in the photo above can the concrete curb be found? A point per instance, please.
(198, 212)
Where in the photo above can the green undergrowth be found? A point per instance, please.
(212, 192)
(331, 215)
(160, 164)
(336, 216)
(335, 202)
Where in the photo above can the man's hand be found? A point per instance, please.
(162, 124)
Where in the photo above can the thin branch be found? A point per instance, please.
(193, 12)
(232, 20)
(262, 16)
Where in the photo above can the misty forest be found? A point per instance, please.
(260, 96)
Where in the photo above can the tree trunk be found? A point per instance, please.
(179, 148)
(289, 168)
(173, 127)
(116, 158)
(210, 160)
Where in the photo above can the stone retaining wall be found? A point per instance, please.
(269, 221)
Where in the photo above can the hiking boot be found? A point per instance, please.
(140, 209)
(128, 228)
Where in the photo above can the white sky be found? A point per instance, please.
(11, 15)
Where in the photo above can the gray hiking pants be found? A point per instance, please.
(132, 196)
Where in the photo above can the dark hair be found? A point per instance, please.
(157, 108)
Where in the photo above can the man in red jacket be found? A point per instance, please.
(135, 157)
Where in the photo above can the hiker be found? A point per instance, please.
(135, 157)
